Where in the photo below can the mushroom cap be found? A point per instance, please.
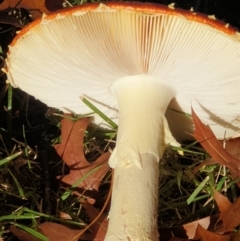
(83, 50)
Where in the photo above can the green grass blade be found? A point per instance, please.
(201, 197)
(31, 231)
(18, 217)
(179, 178)
(29, 212)
(9, 158)
(221, 183)
(76, 184)
(197, 190)
(20, 190)
(98, 112)
(73, 118)
(176, 148)
(180, 112)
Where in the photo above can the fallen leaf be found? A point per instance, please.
(207, 139)
(99, 228)
(35, 7)
(230, 218)
(205, 235)
(72, 152)
(59, 232)
(64, 215)
(22, 235)
(208, 223)
(235, 237)
(218, 227)
(188, 231)
(233, 147)
(222, 202)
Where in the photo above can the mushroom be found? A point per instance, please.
(131, 60)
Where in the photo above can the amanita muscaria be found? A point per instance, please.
(132, 60)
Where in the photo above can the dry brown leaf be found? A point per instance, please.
(212, 228)
(64, 215)
(189, 231)
(35, 7)
(207, 139)
(223, 203)
(53, 231)
(233, 147)
(59, 232)
(99, 228)
(205, 235)
(71, 151)
(229, 214)
(230, 218)
(23, 235)
(208, 223)
(235, 237)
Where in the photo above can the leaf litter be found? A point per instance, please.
(214, 148)
(221, 226)
(217, 227)
(214, 227)
(71, 151)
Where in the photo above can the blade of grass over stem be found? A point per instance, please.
(73, 118)
(77, 183)
(197, 190)
(9, 158)
(179, 178)
(221, 183)
(176, 148)
(231, 183)
(99, 113)
(18, 217)
(201, 197)
(20, 190)
(180, 112)
(31, 231)
(27, 214)
(38, 214)
(192, 145)
(4, 192)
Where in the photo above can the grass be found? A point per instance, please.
(21, 171)
(185, 194)
(22, 184)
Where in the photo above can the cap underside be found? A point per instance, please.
(84, 52)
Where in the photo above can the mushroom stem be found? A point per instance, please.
(142, 134)
(133, 213)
